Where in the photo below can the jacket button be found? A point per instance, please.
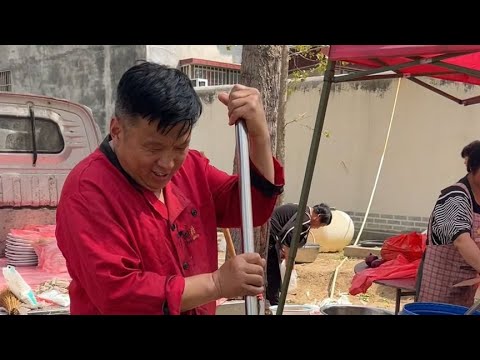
(185, 266)
(173, 227)
(194, 212)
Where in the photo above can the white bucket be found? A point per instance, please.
(297, 310)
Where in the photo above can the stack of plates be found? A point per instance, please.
(19, 252)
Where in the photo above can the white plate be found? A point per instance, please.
(20, 251)
(25, 246)
(10, 235)
(20, 257)
(19, 242)
(15, 241)
(20, 248)
(18, 263)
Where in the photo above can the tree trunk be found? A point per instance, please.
(280, 153)
(261, 68)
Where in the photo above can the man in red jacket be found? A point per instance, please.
(137, 219)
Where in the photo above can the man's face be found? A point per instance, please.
(150, 157)
(315, 222)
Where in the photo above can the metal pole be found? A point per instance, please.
(251, 302)
(307, 181)
(434, 60)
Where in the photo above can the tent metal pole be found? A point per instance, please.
(354, 76)
(435, 90)
(307, 181)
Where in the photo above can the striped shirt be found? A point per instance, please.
(452, 214)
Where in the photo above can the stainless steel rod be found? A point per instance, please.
(251, 302)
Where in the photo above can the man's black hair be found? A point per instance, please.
(473, 163)
(160, 94)
(324, 212)
(469, 148)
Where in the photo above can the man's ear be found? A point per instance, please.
(115, 128)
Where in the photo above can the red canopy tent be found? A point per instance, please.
(447, 62)
(459, 63)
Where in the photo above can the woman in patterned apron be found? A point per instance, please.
(453, 243)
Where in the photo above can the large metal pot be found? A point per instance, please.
(292, 309)
(307, 254)
(353, 310)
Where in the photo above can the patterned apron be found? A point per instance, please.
(443, 266)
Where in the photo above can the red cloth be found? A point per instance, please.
(399, 268)
(125, 254)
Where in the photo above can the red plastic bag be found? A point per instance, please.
(50, 258)
(410, 245)
(43, 240)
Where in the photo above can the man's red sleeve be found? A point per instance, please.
(225, 190)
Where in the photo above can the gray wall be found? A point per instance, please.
(87, 74)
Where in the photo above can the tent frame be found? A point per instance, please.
(364, 74)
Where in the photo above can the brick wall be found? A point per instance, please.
(389, 223)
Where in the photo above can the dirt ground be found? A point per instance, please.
(314, 284)
(314, 279)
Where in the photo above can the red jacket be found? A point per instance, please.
(128, 253)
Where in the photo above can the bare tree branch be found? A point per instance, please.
(306, 126)
(297, 119)
(301, 117)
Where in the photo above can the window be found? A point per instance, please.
(210, 73)
(16, 135)
(5, 81)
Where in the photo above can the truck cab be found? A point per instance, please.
(41, 140)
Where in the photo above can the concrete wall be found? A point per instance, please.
(172, 54)
(87, 74)
(422, 157)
